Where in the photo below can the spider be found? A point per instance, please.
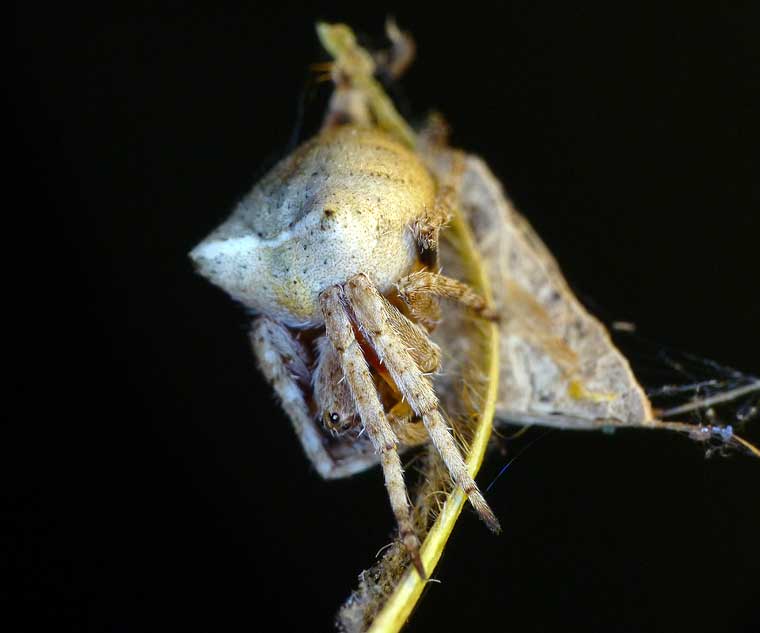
(335, 252)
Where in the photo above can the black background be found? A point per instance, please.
(159, 485)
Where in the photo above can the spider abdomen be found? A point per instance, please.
(340, 204)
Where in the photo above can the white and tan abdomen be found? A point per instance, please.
(341, 204)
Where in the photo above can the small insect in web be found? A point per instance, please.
(401, 303)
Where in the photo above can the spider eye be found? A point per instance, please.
(334, 418)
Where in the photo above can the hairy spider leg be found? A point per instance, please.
(371, 314)
(359, 378)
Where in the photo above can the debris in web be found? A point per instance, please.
(713, 403)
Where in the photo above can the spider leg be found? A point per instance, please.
(359, 379)
(370, 311)
(282, 360)
(420, 290)
(426, 354)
